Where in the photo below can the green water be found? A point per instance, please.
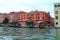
(27, 34)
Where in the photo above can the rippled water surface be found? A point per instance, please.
(26, 34)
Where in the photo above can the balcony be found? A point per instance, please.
(39, 21)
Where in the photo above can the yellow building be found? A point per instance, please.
(57, 14)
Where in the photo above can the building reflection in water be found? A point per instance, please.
(8, 33)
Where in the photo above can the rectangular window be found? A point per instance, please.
(32, 14)
(56, 12)
(56, 23)
(58, 5)
(24, 17)
(38, 17)
(27, 14)
(37, 14)
(55, 5)
(56, 17)
(43, 17)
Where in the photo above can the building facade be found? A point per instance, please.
(12, 16)
(1, 17)
(57, 14)
(35, 15)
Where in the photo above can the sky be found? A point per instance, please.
(7, 6)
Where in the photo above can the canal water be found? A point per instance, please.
(7, 33)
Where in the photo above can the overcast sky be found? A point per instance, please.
(27, 5)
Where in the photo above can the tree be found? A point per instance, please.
(6, 21)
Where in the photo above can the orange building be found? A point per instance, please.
(28, 16)
(35, 15)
